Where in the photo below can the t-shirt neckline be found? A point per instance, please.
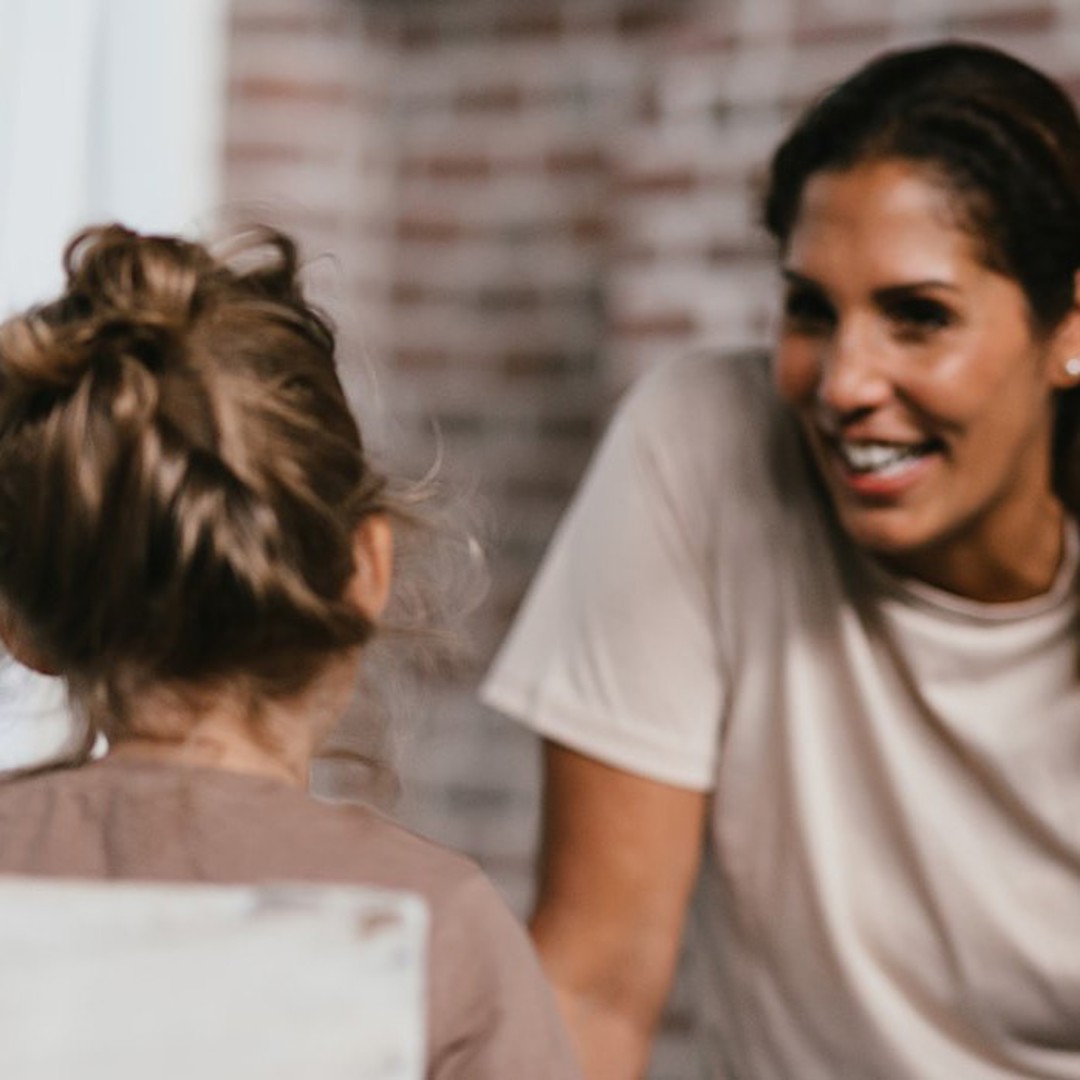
(919, 594)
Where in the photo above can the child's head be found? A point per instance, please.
(183, 489)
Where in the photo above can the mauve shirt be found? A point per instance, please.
(491, 1014)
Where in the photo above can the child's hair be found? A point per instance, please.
(180, 474)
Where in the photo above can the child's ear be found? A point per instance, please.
(19, 645)
(373, 559)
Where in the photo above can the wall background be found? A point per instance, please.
(513, 207)
(109, 110)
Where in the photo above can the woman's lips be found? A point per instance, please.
(880, 469)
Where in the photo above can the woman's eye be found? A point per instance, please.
(807, 311)
(919, 315)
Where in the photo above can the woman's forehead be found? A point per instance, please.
(897, 211)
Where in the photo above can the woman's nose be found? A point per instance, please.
(853, 378)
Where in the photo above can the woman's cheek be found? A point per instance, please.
(796, 372)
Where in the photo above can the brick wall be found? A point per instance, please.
(517, 206)
(309, 148)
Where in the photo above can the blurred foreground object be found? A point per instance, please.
(129, 981)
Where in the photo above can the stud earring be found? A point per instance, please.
(1072, 367)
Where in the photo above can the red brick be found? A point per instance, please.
(490, 99)
(692, 39)
(308, 219)
(271, 153)
(646, 19)
(290, 23)
(1023, 19)
(419, 35)
(540, 24)
(454, 167)
(268, 88)
(636, 254)
(583, 159)
(816, 26)
(646, 106)
(762, 325)
(661, 324)
(673, 180)
(409, 167)
(725, 252)
(421, 360)
(428, 230)
(589, 228)
(497, 297)
(408, 292)
(530, 363)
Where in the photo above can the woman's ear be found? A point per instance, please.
(373, 562)
(1065, 345)
(17, 643)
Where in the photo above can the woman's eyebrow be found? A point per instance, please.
(884, 293)
(889, 293)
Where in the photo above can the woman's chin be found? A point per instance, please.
(889, 534)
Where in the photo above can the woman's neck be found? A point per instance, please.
(1020, 565)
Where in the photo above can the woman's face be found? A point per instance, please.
(925, 395)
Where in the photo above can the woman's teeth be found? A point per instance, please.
(867, 457)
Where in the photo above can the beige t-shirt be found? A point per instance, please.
(491, 1015)
(891, 885)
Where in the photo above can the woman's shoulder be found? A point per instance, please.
(705, 397)
(712, 421)
(712, 374)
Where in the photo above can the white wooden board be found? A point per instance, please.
(108, 981)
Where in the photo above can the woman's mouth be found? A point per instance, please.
(882, 457)
(873, 468)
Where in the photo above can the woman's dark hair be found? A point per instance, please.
(1003, 139)
(180, 473)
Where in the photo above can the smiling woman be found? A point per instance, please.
(808, 637)
(925, 392)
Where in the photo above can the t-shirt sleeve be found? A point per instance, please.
(494, 1015)
(614, 653)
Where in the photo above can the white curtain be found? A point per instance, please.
(109, 110)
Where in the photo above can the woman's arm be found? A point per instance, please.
(620, 857)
